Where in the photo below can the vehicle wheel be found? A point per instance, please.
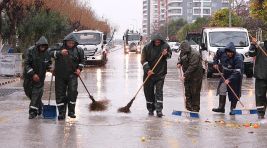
(249, 74)
(209, 74)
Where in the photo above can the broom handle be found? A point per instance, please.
(70, 64)
(148, 75)
(50, 90)
(86, 89)
(230, 88)
(181, 75)
(264, 52)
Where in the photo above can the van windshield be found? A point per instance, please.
(134, 37)
(89, 38)
(221, 39)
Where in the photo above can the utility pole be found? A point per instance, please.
(167, 20)
(148, 19)
(230, 13)
(201, 9)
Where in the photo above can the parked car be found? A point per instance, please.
(174, 46)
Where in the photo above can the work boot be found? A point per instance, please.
(232, 107)
(71, 110)
(261, 114)
(261, 117)
(188, 105)
(72, 115)
(151, 113)
(159, 114)
(221, 108)
(61, 117)
(62, 112)
(195, 109)
(40, 110)
(32, 115)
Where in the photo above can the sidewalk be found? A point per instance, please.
(8, 80)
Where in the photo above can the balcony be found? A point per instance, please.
(172, 1)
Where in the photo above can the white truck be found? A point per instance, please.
(93, 43)
(132, 42)
(218, 37)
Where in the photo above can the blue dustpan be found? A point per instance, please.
(50, 111)
(186, 114)
(244, 111)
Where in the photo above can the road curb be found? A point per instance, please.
(9, 81)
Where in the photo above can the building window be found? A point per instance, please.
(190, 11)
(175, 11)
(207, 4)
(189, 4)
(206, 11)
(197, 4)
(176, 4)
(196, 11)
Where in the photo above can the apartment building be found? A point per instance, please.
(163, 11)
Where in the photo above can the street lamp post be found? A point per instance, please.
(230, 13)
(167, 21)
(148, 19)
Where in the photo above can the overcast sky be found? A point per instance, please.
(121, 13)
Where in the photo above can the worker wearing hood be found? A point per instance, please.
(37, 63)
(231, 64)
(191, 63)
(69, 62)
(150, 55)
(260, 74)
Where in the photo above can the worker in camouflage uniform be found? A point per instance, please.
(191, 63)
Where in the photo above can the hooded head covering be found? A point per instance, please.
(42, 41)
(230, 47)
(185, 47)
(157, 37)
(71, 37)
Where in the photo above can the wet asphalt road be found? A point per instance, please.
(118, 81)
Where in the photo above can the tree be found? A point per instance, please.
(221, 19)
(194, 27)
(49, 24)
(26, 20)
(80, 15)
(259, 9)
(173, 27)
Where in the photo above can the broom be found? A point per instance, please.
(95, 105)
(238, 111)
(126, 109)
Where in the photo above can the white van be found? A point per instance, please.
(93, 43)
(218, 37)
